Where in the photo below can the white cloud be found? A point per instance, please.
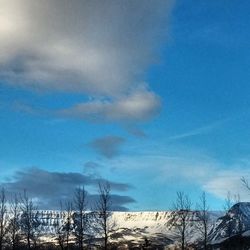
(91, 46)
(138, 106)
(189, 168)
(229, 181)
(185, 166)
(98, 48)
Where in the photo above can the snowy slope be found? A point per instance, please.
(235, 222)
(160, 227)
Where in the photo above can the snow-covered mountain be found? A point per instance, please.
(134, 227)
(160, 227)
(235, 222)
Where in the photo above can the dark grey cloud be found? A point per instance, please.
(49, 188)
(98, 48)
(107, 146)
(117, 201)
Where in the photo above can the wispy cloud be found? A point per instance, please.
(199, 131)
(225, 181)
(189, 168)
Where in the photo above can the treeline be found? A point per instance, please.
(202, 221)
(77, 228)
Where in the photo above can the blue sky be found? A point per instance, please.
(151, 94)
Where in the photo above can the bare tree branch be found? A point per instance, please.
(182, 207)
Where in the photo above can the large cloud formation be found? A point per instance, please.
(49, 188)
(99, 48)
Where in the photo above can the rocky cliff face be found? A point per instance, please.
(235, 222)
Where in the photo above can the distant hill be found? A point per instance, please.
(159, 228)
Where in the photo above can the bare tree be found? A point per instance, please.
(60, 232)
(61, 239)
(247, 186)
(228, 203)
(240, 224)
(3, 214)
(182, 208)
(13, 227)
(227, 206)
(103, 209)
(29, 224)
(245, 183)
(68, 224)
(236, 198)
(203, 217)
(80, 218)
